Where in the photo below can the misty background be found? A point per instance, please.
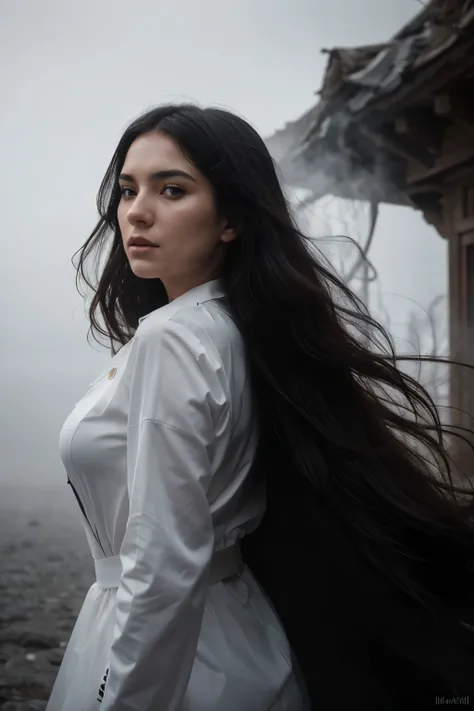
(72, 76)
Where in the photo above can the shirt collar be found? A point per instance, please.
(197, 295)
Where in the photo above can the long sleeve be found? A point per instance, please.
(178, 407)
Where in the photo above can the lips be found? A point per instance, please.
(140, 242)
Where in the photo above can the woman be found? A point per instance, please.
(242, 406)
(159, 454)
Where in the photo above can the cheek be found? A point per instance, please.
(195, 213)
(121, 217)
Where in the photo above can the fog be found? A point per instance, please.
(72, 76)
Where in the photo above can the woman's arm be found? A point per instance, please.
(177, 409)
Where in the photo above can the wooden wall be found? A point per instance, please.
(459, 212)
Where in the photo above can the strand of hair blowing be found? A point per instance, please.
(349, 420)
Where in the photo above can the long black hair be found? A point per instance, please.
(363, 435)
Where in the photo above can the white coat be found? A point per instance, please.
(158, 453)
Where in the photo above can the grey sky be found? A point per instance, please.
(72, 75)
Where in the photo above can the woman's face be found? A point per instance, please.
(167, 201)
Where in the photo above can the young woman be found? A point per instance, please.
(242, 407)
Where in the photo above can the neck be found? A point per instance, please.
(178, 288)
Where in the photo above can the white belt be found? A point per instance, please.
(224, 564)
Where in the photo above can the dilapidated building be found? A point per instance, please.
(398, 118)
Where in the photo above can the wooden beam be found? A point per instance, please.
(429, 80)
(465, 224)
(421, 127)
(464, 175)
(456, 106)
(422, 188)
(404, 146)
(450, 161)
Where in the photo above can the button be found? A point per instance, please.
(112, 373)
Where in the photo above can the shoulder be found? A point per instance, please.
(205, 330)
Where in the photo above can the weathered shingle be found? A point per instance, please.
(357, 81)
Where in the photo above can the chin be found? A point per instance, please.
(144, 271)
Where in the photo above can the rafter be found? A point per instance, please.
(457, 106)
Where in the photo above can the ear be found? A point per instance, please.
(229, 232)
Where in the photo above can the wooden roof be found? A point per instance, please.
(350, 137)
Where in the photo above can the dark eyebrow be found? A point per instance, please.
(160, 175)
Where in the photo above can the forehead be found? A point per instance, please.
(155, 151)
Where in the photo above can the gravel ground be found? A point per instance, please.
(44, 576)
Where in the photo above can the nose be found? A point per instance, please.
(140, 211)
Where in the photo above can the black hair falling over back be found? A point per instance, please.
(351, 447)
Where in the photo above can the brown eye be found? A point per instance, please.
(174, 191)
(123, 192)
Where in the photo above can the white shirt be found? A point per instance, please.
(159, 453)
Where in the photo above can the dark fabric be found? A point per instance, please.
(360, 643)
